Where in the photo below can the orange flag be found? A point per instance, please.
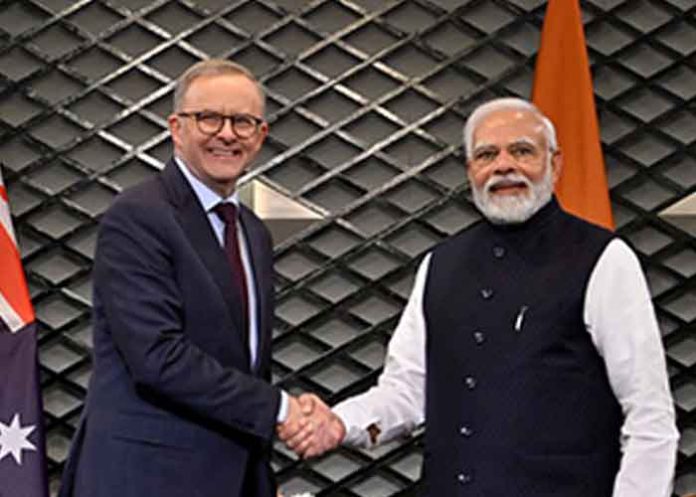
(563, 91)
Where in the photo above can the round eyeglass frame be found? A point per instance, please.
(253, 123)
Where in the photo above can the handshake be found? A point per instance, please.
(311, 428)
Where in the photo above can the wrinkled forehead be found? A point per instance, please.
(504, 127)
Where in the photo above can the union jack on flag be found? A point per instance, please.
(22, 464)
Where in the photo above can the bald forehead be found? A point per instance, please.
(519, 125)
(511, 118)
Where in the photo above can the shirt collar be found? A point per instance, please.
(206, 196)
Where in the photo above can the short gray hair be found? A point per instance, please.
(212, 67)
(506, 103)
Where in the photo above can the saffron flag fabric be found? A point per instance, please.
(22, 455)
(563, 91)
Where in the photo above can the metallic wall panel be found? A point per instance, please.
(366, 104)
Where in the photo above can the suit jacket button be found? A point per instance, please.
(498, 252)
(470, 382)
(487, 293)
(479, 337)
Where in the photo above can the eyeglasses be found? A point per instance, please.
(210, 123)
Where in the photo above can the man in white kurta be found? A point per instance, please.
(614, 422)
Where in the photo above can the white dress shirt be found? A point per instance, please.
(618, 315)
(208, 200)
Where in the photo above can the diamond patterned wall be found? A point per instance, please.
(366, 103)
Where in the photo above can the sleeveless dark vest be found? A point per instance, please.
(518, 403)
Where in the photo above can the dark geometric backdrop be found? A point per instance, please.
(366, 103)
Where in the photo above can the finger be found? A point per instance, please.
(283, 430)
(293, 426)
(308, 402)
(313, 451)
(285, 434)
(299, 445)
(300, 437)
(321, 443)
(303, 445)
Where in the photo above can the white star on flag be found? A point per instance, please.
(13, 439)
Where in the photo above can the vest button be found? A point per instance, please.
(466, 431)
(470, 382)
(498, 252)
(479, 337)
(464, 478)
(486, 293)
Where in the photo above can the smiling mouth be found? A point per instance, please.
(225, 152)
(507, 186)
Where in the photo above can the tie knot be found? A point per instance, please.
(227, 212)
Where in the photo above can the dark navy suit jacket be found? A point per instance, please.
(173, 407)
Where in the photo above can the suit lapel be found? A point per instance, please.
(260, 276)
(195, 224)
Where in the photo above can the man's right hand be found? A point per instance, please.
(296, 424)
(322, 432)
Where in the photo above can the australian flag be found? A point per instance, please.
(22, 453)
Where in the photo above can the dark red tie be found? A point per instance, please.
(227, 212)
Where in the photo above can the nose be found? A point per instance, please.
(226, 133)
(503, 163)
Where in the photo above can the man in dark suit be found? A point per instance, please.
(179, 402)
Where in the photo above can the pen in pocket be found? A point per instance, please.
(519, 322)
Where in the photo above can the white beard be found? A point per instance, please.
(511, 209)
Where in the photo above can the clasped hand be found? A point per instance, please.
(311, 428)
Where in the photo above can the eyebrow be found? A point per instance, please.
(525, 140)
(219, 113)
(483, 146)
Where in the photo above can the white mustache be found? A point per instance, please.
(510, 179)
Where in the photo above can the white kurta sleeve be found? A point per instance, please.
(620, 318)
(396, 404)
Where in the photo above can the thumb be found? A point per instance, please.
(307, 403)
